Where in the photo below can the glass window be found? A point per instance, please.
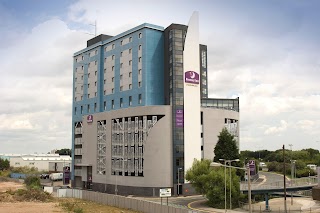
(105, 105)
(112, 104)
(88, 108)
(121, 104)
(130, 100)
(140, 99)
(140, 35)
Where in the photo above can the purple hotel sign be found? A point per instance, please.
(252, 167)
(89, 119)
(191, 77)
(179, 118)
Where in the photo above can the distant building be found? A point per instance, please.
(43, 162)
(141, 112)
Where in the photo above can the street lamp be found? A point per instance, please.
(179, 180)
(214, 164)
(225, 184)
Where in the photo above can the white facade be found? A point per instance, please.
(192, 99)
(40, 162)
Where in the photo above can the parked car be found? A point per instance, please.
(44, 176)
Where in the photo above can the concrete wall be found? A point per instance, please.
(213, 123)
(157, 166)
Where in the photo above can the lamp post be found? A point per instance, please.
(225, 184)
(214, 164)
(179, 181)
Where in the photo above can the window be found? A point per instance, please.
(104, 81)
(88, 75)
(105, 60)
(130, 50)
(95, 73)
(121, 43)
(82, 77)
(140, 47)
(75, 89)
(140, 35)
(81, 109)
(112, 68)
(139, 84)
(75, 99)
(130, 100)
(95, 62)
(81, 97)
(140, 99)
(113, 46)
(96, 52)
(89, 64)
(89, 54)
(76, 60)
(112, 79)
(95, 94)
(112, 57)
(139, 59)
(75, 110)
(81, 87)
(121, 88)
(88, 95)
(88, 85)
(82, 57)
(75, 79)
(95, 83)
(139, 71)
(112, 90)
(95, 107)
(112, 104)
(121, 65)
(130, 74)
(82, 67)
(88, 107)
(121, 54)
(130, 39)
(120, 77)
(104, 92)
(104, 71)
(130, 62)
(130, 86)
(121, 103)
(105, 105)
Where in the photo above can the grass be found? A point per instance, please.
(83, 206)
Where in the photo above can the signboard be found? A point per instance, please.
(179, 118)
(89, 118)
(191, 77)
(165, 192)
(252, 167)
(66, 175)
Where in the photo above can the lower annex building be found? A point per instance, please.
(141, 112)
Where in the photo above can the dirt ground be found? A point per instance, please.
(39, 207)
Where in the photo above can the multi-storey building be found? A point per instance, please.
(141, 112)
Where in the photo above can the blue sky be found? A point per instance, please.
(265, 52)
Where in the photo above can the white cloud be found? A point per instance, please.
(277, 129)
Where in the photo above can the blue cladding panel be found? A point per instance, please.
(152, 91)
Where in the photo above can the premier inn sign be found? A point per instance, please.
(191, 77)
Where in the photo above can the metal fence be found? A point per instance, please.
(123, 202)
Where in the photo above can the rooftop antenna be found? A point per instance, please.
(95, 29)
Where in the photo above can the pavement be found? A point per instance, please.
(275, 205)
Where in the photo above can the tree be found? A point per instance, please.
(64, 152)
(4, 164)
(226, 147)
(210, 182)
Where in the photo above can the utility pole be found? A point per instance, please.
(284, 180)
(291, 172)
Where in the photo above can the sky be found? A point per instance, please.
(264, 52)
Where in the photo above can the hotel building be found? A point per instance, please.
(141, 112)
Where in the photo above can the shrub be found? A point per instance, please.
(33, 182)
(71, 207)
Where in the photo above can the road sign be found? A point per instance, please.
(165, 192)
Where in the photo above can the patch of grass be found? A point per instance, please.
(89, 206)
(25, 195)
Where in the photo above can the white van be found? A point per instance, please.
(312, 166)
(56, 176)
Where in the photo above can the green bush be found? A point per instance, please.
(71, 207)
(305, 173)
(33, 182)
